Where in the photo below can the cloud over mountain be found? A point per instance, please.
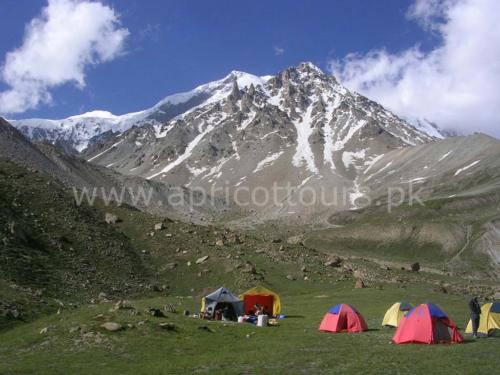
(58, 46)
(454, 84)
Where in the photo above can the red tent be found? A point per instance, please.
(343, 318)
(426, 324)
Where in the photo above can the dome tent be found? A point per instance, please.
(426, 324)
(395, 313)
(489, 319)
(221, 298)
(269, 300)
(343, 318)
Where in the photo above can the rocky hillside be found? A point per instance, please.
(50, 248)
(75, 173)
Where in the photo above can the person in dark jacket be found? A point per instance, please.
(475, 314)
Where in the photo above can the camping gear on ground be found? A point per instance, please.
(262, 321)
(343, 318)
(264, 297)
(273, 322)
(395, 313)
(489, 319)
(426, 324)
(220, 299)
(251, 319)
(241, 319)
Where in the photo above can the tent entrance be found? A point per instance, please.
(266, 302)
(442, 333)
(227, 309)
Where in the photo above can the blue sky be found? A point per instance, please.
(427, 59)
(176, 45)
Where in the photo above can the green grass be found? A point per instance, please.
(295, 347)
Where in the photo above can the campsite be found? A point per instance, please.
(296, 345)
(281, 187)
(154, 336)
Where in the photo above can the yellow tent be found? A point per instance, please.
(395, 313)
(489, 320)
(262, 296)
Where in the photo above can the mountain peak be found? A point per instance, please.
(96, 113)
(308, 66)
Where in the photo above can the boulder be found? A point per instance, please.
(122, 305)
(159, 226)
(157, 313)
(103, 297)
(112, 326)
(334, 262)
(295, 240)
(359, 284)
(234, 239)
(219, 242)
(201, 260)
(249, 268)
(415, 267)
(110, 218)
(290, 277)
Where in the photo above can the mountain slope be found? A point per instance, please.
(300, 128)
(100, 182)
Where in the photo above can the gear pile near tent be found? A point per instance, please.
(427, 324)
(489, 319)
(395, 313)
(343, 318)
(221, 298)
(264, 297)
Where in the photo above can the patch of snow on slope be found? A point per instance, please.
(266, 161)
(108, 149)
(196, 171)
(329, 147)
(247, 121)
(370, 163)
(340, 144)
(380, 170)
(304, 152)
(187, 152)
(445, 155)
(348, 158)
(161, 131)
(217, 169)
(466, 167)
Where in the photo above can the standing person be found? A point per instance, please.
(475, 314)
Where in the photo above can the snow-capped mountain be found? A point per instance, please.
(300, 127)
(296, 133)
(76, 132)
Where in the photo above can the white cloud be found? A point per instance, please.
(456, 84)
(278, 51)
(68, 36)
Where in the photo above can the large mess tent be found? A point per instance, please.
(426, 324)
(395, 313)
(343, 318)
(220, 299)
(270, 301)
(489, 319)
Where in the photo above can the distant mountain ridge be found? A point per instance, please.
(76, 132)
